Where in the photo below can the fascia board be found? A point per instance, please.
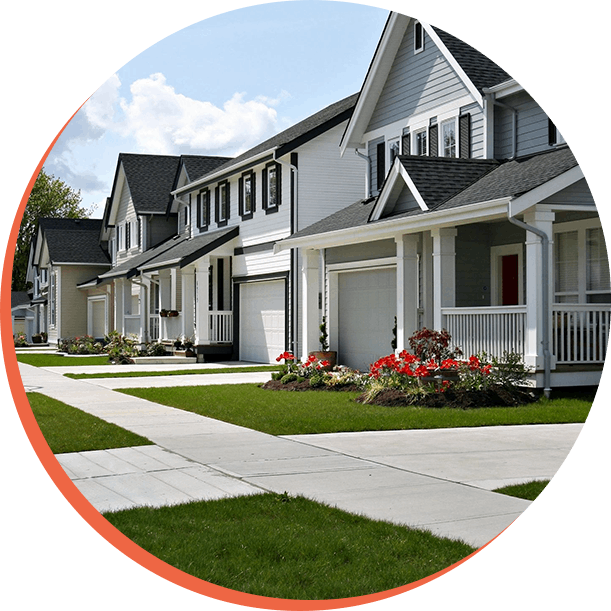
(396, 226)
(538, 194)
(397, 172)
(116, 195)
(455, 65)
(374, 81)
(81, 263)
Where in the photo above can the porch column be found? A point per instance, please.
(309, 298)
(202, 306)
(444, 272)
(407, 288)
(535, 317)
(142, 298)
(188, 300)
(120, 305)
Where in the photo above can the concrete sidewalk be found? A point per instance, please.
(438, 479)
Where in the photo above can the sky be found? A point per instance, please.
(218, 87)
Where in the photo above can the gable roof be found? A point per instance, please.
(73, 240)
(284, 142)
(475, 181)
(197, 166)
(19, 299)
(476, 70)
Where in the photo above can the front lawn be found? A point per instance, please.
(308, 412)
(68, 429)
(287, 547)
(56, 360)
(180, 372)
(529, 491)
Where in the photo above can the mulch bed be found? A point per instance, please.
(391, 397)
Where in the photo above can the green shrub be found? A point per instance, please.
(289, 377)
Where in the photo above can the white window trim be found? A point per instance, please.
(90, 301)
(222, 209)
(496, 279)
(418, 50)
(247, 179)
(414, 141)
(441, 145)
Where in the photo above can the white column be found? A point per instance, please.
(535, 317)
(309, 299)
(120, 305)
(407, 288)
(427, 280)
(188, 300)
(444, 272)
(201, 299)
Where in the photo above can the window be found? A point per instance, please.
(128, 236)
(247, 195)
(380, 165)
(581, 265)
(203, 208)
(554, 136)
(186, 218)
(271, 187)
(393, 150)
(139, 239)
(418, 37)
(448, 138)
(222, 203)
(420, 142)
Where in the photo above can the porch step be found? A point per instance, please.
(164, 360)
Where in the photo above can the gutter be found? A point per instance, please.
(544, 298)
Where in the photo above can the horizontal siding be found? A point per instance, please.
(577, 194)
(361, 252)
(416, 83)
(328, 182)
(406, 201)
(256, 264)
(478, 150)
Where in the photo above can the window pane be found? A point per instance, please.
(448, 134)
(597, 264)
(567, 267)
(247, 194)
(271, 187)
(421, 143)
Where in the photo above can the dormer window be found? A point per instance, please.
(418, 37)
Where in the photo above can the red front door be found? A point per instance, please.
(509, 275)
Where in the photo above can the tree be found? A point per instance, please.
(50, 197)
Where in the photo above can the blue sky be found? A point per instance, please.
(218, 87)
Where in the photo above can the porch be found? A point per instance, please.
(579, 332)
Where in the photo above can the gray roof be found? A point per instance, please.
(451, 183)
(19, 298)
(73, 240)
(198, 165)
(481, 70)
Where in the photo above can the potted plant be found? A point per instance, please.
(37, 338)
(172, 313)
(163, 313)
(324, 354)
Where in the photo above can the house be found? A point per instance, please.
(215, 277)
(136, 227)
(476, 218)
(66, 253)
(22, 314)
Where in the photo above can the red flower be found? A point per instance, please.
(449, 364)
(324, 363)
(474, 363)
(421, 371)
(287, 356)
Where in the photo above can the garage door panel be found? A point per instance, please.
(367, 307)
(262, 321)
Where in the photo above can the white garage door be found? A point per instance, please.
(262, 315)
(367, 308)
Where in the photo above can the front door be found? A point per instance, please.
(509, 280)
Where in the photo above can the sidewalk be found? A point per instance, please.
(438, 479)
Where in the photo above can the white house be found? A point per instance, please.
(215, 277)
(476, 218)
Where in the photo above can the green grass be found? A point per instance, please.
(56, 360)
(181, 372)
(68, 429)
(287, 547)
(529, 491)
(294, 413)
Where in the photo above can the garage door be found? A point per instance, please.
(367, 308)
(98, 317)
(262, 316)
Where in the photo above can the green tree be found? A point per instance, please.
(50, 198)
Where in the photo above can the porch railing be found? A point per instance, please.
(154, 327)
(493, 330)
(221, 326)
(580, 333)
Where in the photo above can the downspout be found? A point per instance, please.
(368, 174)
(293, 228)
(545, 296)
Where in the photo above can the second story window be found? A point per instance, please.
(203, 208)
(448, 138)
(247, 195)
(222, 203)
(128, 236)
(420, 143)
(271, 187)
(418, 37)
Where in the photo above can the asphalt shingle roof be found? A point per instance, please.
(19, 298)
(452, 183)
(482, 71)
(73, 240)
(198, 166)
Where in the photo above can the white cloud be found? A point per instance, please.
(163, 121)
(100, 108)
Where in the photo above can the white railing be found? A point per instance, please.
(493, 330)
(221, 326)
(580, 333)
(154, 327)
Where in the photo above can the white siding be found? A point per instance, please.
(327, 181)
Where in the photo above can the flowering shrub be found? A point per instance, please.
(120, 348)
(20, 340)
(84, 344)
(427, 344)
(293, 369)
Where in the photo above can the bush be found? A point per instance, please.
(153, 349)
(120, 349)
(20, 340)
(84, 344)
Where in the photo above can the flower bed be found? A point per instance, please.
(432, 375)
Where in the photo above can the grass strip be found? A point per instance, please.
(56, 360)
(309, 412)
(68, 429)
(529, 490)
(287, 547)
(180, 372)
